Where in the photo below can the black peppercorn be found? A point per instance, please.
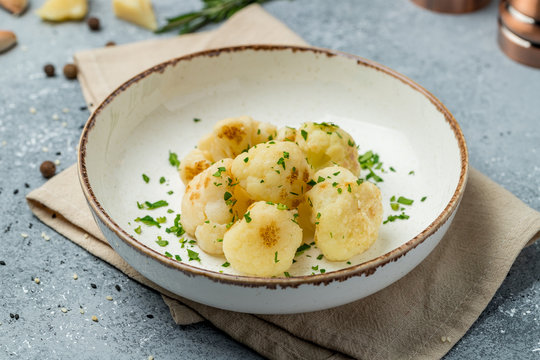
(70, 71)
(49, 70)
(48, 169)
(93, 24)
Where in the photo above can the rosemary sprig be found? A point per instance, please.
(213, 11)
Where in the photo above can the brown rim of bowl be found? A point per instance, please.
(367, 268)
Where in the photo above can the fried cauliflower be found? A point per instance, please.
(210, 196)
(347, 214)
(231, 136)
(327, 144)
(273, 171)
(264, 241)
(210, 237)
(193, 164)
(286, 134)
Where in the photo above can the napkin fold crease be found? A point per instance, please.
(420, 316)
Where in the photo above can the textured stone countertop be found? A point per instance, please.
(495, 100)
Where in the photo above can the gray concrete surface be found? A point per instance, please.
(456, 57)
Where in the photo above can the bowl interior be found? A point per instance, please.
(135, 131)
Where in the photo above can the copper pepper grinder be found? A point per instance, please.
(519, 30)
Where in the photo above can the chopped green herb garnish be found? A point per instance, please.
(161, 220)
(281, 162)
(170, 192)
(148, 220)
(423, 199)
(162, 242)
(193, 255)
(359, 181)
(320, 179)
(138, 230)
(219, 240)
(177, 257)
(322, 271)
(392, 218)
(334, 184)
(196, 119)
(411, 172)
(349, 188)
(168, 254)
(226, 264)
(405, 201)
(162, 180)
(318, 215)
(219, 171)
(393, 198)
(286, 156)
(261, 181)
(350, 142)
(286, 274)
(177, 229)
(320, 257)
(394, 206)
(145, 178)
(258, 131)
(170, 211)
(316, 267)
(156, 205)
(336, 173)
(375, 177)
(348, 263)
(339, 190)
(311, 182)
(282, 207)
(392, 169)
(293, 193)
(140, 206)
(301, 249)
(246, 159)
(304, 134)
(173, 159)
(275, 258)
(246, 216)
(227, 196)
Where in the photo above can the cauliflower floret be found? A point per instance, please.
(286, 134)
(347, 215)
(231, 136)
(327, 144)
(273, 171)
(264, 241)
(211, 196)
(192, 164)
(210, 237)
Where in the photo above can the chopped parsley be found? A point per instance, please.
(149, 221)
(394, 206)
(311, 182)
(170, 192)
(349, 188)
(320, 257)
(359, 181)
(339, 190)
(316, 267)
(392, 169)
(219, 171)
(138, 230)
(246, 216)
(155, 205)
(145, 178)
(177, 257)
(196, 119)
(173, 159)
(320, 179)
(281, 162)
(322, 271)
(162, 180)
(286, 274)
(177, 229)
(336, 173)
(423, 199)
(282, 207)
(193, 255)
(170, 211)
(348, 263)
(392, 218)
(301, 249)
(227, 196)
(286, 156)
(226, 264)
(411, 172)
(246, 159)
(304, 134)
(404, 201)
(275, 258)
(350, 142)
(161, 220)
(162, 242)
(140, 206)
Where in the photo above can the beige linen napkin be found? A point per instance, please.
(442, 297)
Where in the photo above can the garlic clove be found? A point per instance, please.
(8, 39)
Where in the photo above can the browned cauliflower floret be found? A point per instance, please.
(273, 171)
(210, 198)
(192, 164)
(286, 134)
(347, 215)
(233, 135)
(327, 144)
(264, 241)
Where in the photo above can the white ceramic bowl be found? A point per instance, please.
(134, 129)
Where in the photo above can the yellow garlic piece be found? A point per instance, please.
(63, 10)
(139, 12)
